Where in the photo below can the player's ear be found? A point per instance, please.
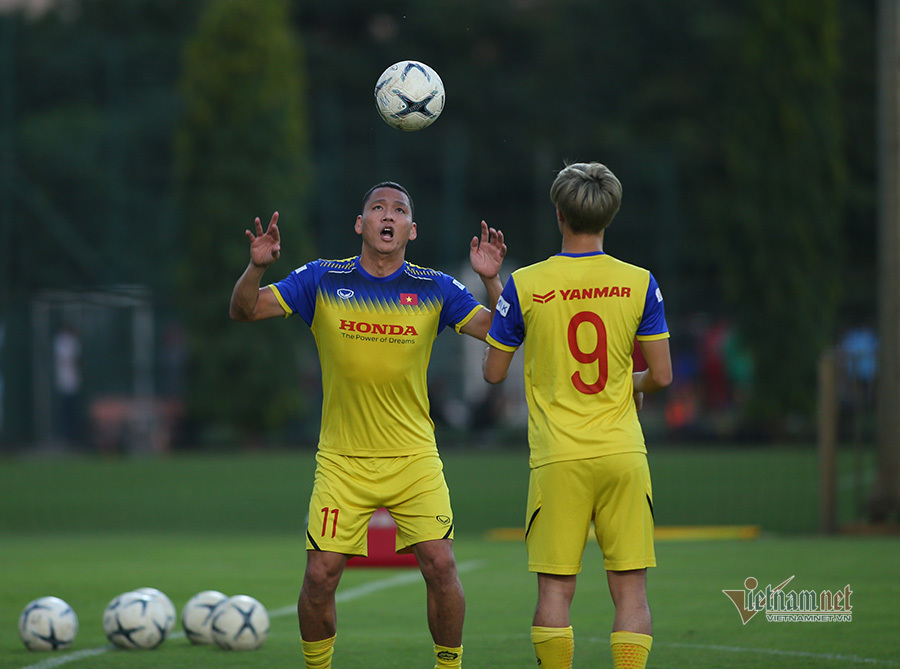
(358, 225)
(560, 219)
(412, 231)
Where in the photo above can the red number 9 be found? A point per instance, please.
(598, 355)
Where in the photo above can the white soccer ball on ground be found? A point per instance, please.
(167, 605)
(409, 95)
(134, 620)
(240, 623)
(48, 623)
(196, 618)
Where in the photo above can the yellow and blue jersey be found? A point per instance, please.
(578, 316)
(375, 336)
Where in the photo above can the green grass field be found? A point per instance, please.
(86, 530)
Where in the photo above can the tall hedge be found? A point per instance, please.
(242, 151)
(778, 233)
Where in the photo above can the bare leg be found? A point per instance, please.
(446, 600)
(555, 595)
(316, 607)
(629, 594)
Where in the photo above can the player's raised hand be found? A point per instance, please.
(486, 253)
(265, 247)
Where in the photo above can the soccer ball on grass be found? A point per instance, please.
(134, 620)
(240, 623)
(168, 606)
(409, 95)
(48, 623)
(196, 618)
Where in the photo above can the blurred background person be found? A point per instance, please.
(67, 385)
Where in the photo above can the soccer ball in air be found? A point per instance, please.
(196, 618)
(168, 606)
(240, 623)
(134, 620)
(48, 623)
(409, 95)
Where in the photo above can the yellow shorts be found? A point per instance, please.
(613, 491)
(348, 490)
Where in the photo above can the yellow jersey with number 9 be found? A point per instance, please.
(577, 317)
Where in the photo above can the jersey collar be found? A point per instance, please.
(582, 255)
(370, 277)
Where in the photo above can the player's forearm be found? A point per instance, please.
(648, 382)
(246, 293)
(494, 287)
(658, 374)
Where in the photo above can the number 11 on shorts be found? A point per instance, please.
(325, 513)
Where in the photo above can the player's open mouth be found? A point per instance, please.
(387, 233)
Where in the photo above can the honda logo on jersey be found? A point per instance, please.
(377, 328)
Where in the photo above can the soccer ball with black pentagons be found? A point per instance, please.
(48, 623)
(134, 621)
(197, 615)
(240, 623)
(409, 95)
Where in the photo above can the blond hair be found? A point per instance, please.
(588, 195)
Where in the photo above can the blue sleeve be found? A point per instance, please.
(653, 321)
(298, 290)
(508, 326)
(458, 302)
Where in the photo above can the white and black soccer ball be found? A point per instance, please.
(409, 95)
(240, 623)
(197, 615)
(169, 607)
(48, 623)
(134, 620)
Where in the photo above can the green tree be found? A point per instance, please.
(778, 233)
(242, 151)
(89, 109)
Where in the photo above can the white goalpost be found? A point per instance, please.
(97, 347)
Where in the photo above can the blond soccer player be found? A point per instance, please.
(577, 315)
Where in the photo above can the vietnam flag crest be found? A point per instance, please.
(411, 299)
